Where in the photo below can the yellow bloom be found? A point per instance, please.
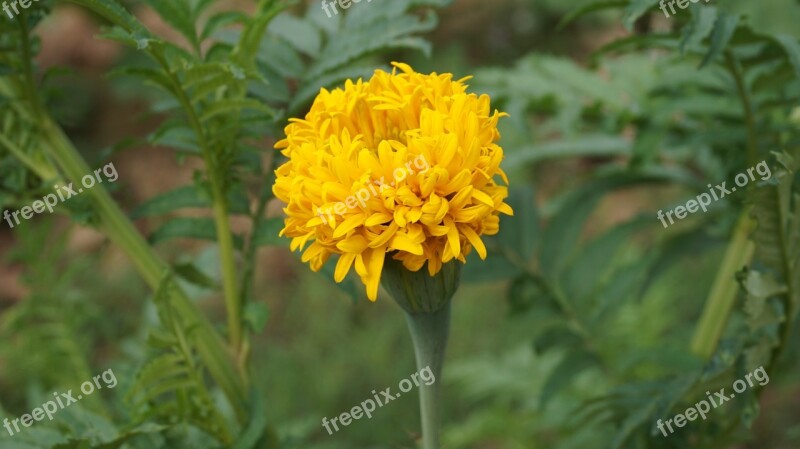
(403, 164)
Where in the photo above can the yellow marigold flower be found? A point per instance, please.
(404, 164)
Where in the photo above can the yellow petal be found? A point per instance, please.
(402, 242)
(374, 263)
(353, 244)
(343, 266)
(452, 236)
(348, 225)
(474, 239)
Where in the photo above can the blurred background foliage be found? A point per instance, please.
(576, 331)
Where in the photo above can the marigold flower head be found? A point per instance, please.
(403, 164)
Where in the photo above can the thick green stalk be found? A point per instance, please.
(723, 293)
(228, 267)
(426, 301)
(740, 250)
(429, 333)
(123, 233)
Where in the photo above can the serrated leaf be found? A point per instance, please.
(312, 87)
(114, 12)
(380, 34)
(151, 76)
(221, 20)
(699, 27)
(724, 28)
(300, 34)
(179, 15)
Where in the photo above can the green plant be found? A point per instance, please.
(226, 90)
(724, 99)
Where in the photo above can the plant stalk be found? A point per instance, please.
(429, 332)
(722, 296)
(123, 233)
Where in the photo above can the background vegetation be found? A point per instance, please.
(588, 322)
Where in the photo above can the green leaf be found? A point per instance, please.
(111, 10)
(151, 76)
(189, 228)
(496, 267)
(189, 272)
(257, 427)
(221, 20)
(179, 14)
(572, 365)
(377, 35)
(564, 230)
(267, 233)
(163, 367)
(699, 28)
(792, 48)
(587, 146)
(300, 34)
(635, 10)
(311, 88)
(520, 233)
(187, 197)
(590, 8)
(234, 106)
(351, 286)
(256, 315)
(723, 32)
(587, 272)
(137, 40)
(246, 50)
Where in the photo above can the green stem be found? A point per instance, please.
(43, 172)
(228, 267)
(124, 234)
(735, 68)
(723, 293)
(740, 250)
(429, 332)
(220, 207)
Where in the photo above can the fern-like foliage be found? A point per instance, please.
(776, 209)
(170, 387)
(694, 104)
(36, 333)
(230, 80)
